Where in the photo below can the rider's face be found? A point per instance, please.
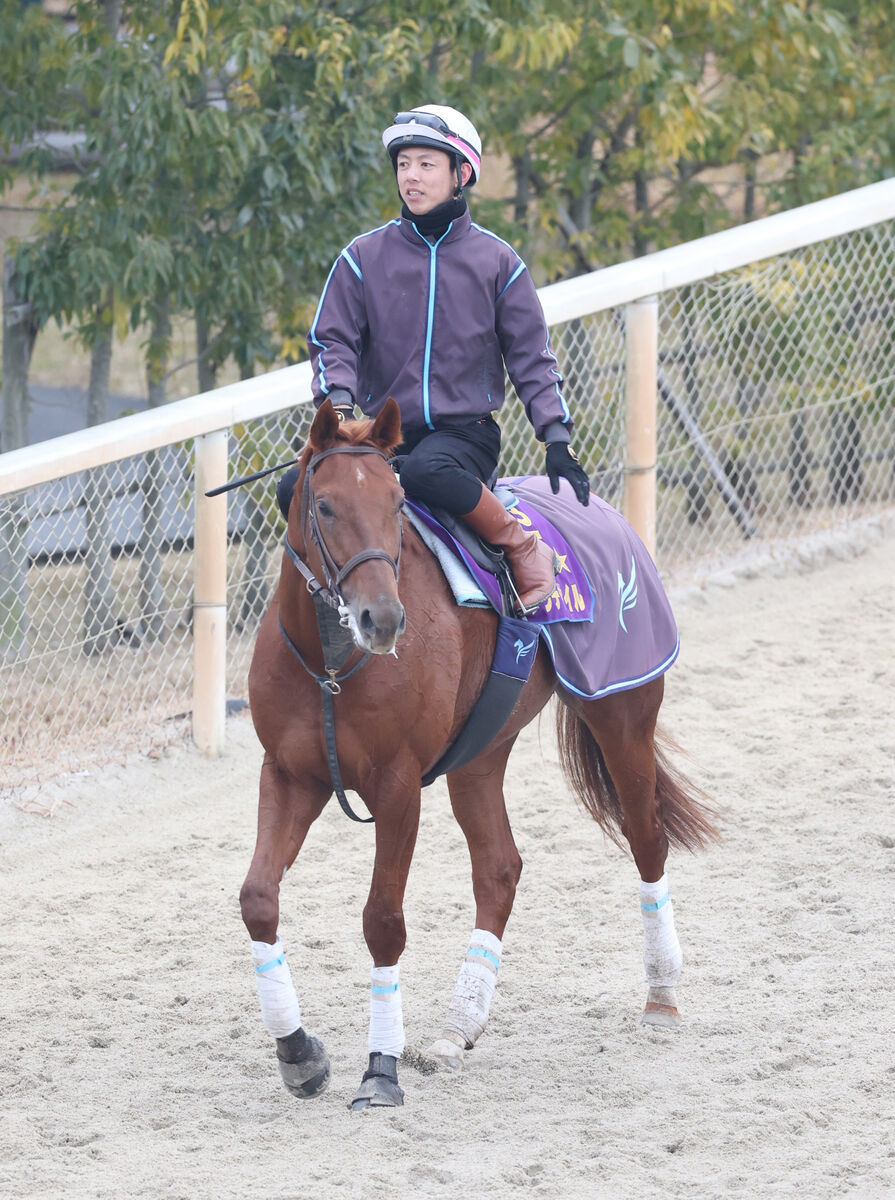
(426, 178)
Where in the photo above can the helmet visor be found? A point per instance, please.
(431, 120)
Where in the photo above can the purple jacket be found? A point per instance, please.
(432, 325)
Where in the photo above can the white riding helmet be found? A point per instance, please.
(438, 126)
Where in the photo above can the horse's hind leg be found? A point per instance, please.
(286, 811)
(623, 726)
(478, 803)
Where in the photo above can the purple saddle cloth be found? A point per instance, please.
(609, 625)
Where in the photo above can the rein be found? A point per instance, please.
(328, 600)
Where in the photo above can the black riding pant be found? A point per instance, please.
(445, 468)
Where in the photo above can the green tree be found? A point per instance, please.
(206, 186)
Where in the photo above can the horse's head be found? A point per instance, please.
(351, 519)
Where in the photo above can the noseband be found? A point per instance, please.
(334, 575)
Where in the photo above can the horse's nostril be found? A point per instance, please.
(380, 623)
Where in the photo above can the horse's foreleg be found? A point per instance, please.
(624, 728)
(478, 804)
(285, 813)
(396, 805)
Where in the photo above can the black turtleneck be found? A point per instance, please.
(435, 222)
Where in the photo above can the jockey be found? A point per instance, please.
(428, 308)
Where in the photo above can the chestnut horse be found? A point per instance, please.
(394, 717)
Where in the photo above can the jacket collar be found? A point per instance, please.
(459, 226)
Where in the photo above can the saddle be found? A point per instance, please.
(489, 558)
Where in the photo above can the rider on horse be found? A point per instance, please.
(428, 308)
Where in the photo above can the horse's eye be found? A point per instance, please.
(324, 509)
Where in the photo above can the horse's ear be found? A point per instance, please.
(324, 427)
(385, 431)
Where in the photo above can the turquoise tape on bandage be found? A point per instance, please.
(274, 962)
(383, 989)
(659, 904)
(483, 953)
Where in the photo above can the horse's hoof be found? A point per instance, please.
(661, 1009)
(447, 1054)
(304, 1064)
(379, 1086)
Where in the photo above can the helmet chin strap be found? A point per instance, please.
(458, 194)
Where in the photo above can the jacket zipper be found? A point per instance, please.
(430, 319)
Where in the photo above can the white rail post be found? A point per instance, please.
(641, 373)
(210, 596)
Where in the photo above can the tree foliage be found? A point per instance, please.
(663, 120)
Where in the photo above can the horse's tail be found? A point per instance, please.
(687, 812)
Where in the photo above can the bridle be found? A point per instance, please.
(334, 575)
(335, 641)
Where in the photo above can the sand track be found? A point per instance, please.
(134, 1062)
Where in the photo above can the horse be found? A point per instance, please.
(347, 544)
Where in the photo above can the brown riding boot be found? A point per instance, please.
(532, 562)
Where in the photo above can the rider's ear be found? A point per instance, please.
(324, 427)
(386, 429)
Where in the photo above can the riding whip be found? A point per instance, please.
(235, 483)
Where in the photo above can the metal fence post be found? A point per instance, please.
(210, 596)
(641, 371)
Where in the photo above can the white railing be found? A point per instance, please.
(768, 345)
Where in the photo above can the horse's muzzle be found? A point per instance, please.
(379, 624)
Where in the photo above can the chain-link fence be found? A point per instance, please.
(782, 375)
(776, 416)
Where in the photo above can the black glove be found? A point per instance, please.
(563, 461)
(342, 403)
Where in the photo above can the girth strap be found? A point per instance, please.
(515, 650)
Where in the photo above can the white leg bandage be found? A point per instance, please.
(386, 1015)
(661, 949)
(279, 1004)
(471, 1002)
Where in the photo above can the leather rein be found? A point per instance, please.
(336, 640)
